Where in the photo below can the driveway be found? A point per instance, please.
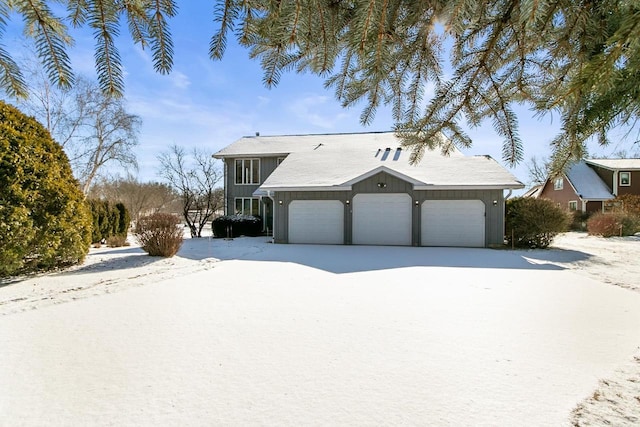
(248, 333)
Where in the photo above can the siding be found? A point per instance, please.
(563, 197)
(605, 175)
(494, 224)
(267, 166)
(634, 188)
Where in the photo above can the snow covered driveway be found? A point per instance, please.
(312, 335)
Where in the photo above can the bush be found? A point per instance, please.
(237, 225)
(630, 203)
(159, 234)
(533, 223)
(579, 221)
(44, 222)
(109, 219)
(613, 224)
(117, 241)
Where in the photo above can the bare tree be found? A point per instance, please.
(539, 170)
(94, 129)
(108, 134)
(195, 177)
(140, 198)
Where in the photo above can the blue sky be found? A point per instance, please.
(210, 104)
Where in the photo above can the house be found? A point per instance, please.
(588, 186)
(362, 189)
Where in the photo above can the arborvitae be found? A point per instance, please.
(44, 221)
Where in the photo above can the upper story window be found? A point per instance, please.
(558, 183)
(247, 171)
(625, 179)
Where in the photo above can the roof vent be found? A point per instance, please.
(257, 133)
(385, 154)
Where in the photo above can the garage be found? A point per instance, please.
(382, 219)
(453, 223)
(316, 222)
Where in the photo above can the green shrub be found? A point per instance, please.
(579, 221)
(159, 234)
(44, 222)
(108, 219)
(613, 224)
(533, 223)
(237, 225)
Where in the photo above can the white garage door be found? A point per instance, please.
(453, 223)
(316, 221)
(382, 219)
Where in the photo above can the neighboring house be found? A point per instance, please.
(362, 189)
(588, 185)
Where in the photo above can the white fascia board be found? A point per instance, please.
(310, 188)
(385, 169)
(469, 187)
(249, 155)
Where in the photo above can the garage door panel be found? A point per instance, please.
(453, 223)
(316, 222)
(382, 219)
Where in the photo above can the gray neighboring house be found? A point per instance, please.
(361, 189)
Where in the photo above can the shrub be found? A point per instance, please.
(579, 221)
(237, 225)
(44, 222)
(630, 203)
(117, 241)
(159, 234)
(533, 223)
(109, 219)
(613, 224)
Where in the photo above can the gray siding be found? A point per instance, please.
(494, 223)
(267, 166)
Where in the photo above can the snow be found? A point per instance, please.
(244, 332)
(587, 184)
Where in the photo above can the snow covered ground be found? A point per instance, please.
(244, 332)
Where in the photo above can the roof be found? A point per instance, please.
(534, 192)
(336, 161)
(616, 164)
(587, 183)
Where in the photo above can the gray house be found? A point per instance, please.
(361, 189)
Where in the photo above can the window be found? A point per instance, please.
(247, 206)
(573, 205)
(558, 183)
(625, 179)
(247, 171)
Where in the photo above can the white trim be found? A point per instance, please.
(235, 201)
(391, 172)
(468, 187)
(251, 171)
(314, 188)
(628, 184)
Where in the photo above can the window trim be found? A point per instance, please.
(558, 183)
(575, 202)
(628, 184)
(242, 199)
(252, 163)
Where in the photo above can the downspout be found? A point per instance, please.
(273, 202)
(508, 194)
(226, 187)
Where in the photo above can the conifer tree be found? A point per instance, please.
(580, 59)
